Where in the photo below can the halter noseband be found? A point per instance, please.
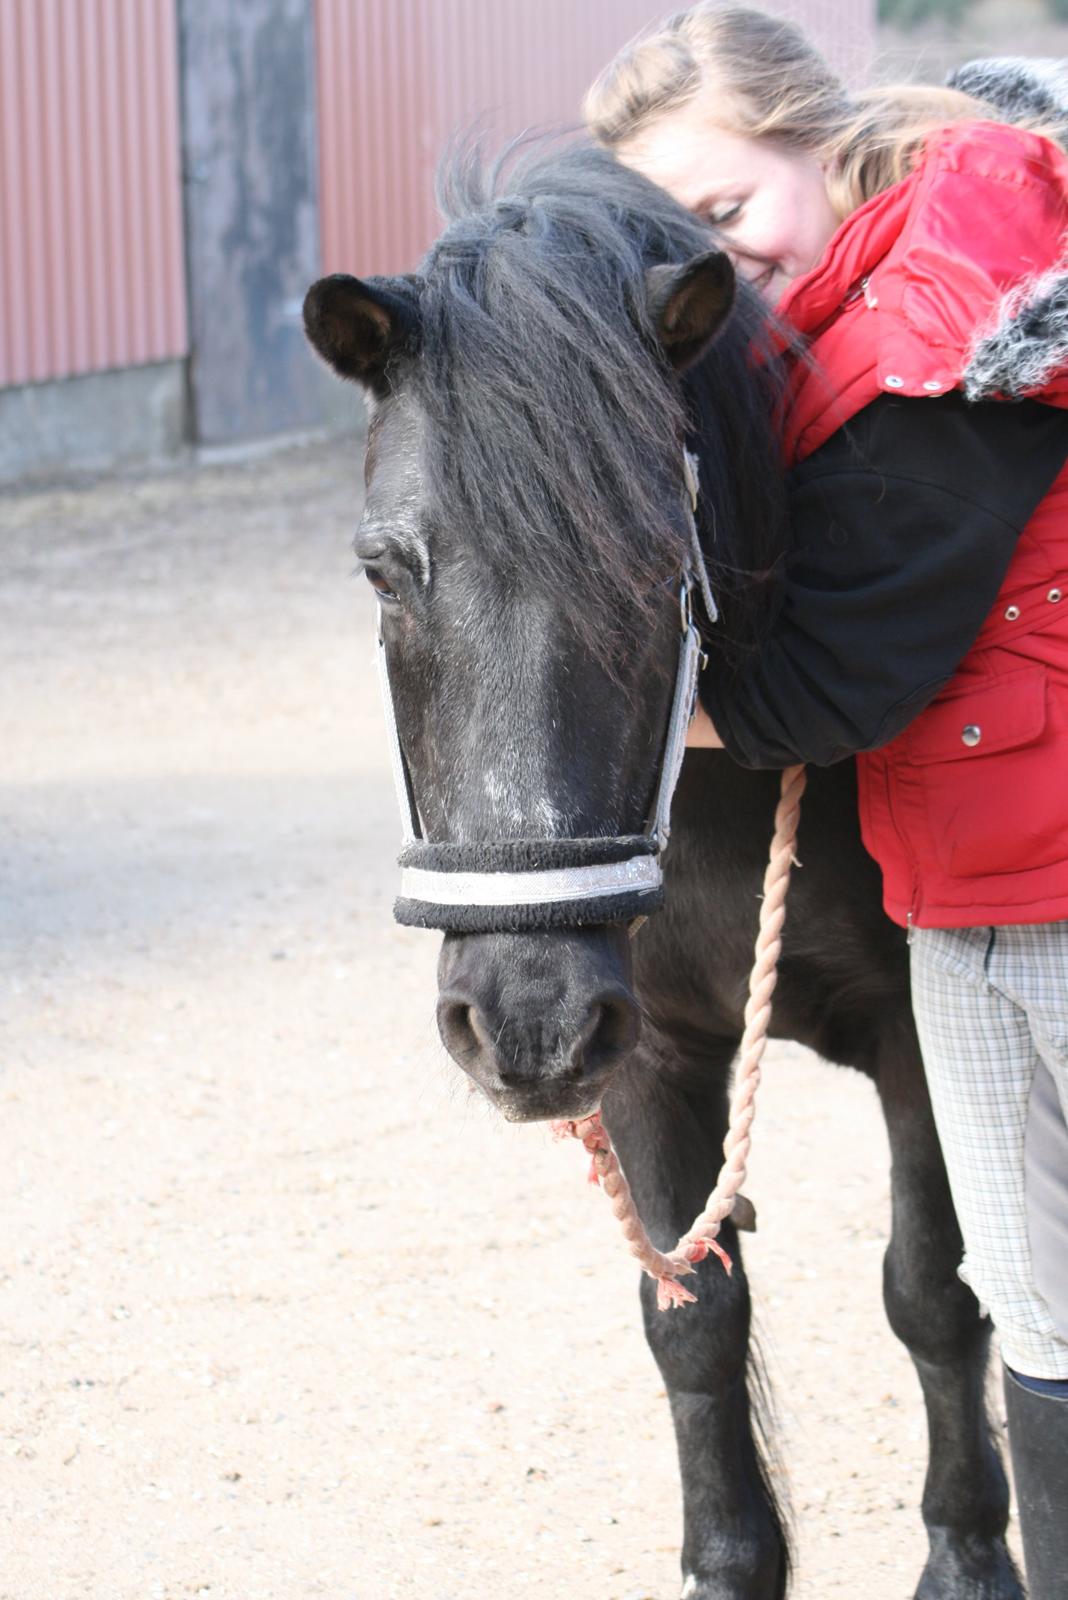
(518, 885)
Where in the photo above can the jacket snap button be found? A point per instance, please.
(932, 385)
(1053, 596)
(972, 734)
(1011, 613)
(892, 381)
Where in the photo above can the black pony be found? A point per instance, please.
(531, 389)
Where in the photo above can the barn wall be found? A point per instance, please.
(90, 188)
(397, 78)
(252, 242)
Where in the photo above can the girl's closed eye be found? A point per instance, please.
(726, 212)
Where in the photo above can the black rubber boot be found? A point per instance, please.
(1038, 1440)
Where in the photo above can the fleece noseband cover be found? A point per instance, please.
(526, 884)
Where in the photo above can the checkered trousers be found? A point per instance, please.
(991, 1007)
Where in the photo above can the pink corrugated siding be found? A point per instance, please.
(91, 270)
(398, 77)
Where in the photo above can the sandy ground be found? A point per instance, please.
(285, 1312)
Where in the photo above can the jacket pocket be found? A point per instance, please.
(983, 760)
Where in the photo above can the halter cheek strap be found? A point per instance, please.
(516, 886)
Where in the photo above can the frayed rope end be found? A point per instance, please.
(700, 1248)
(670, 1292)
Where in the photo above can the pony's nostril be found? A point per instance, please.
(458, 1026)
(610, 1031)
(617, 1032)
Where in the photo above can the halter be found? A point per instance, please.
(515, 886)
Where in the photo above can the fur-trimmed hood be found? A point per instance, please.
(1027, 347)
(1028, 343)
(1021, 89)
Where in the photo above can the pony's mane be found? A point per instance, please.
(557, 429)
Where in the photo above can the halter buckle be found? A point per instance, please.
(685, 605)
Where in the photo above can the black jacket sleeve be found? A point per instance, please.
(903, 526)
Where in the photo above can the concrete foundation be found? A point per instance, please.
(93, 423)
(137, 416)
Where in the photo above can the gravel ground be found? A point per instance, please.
(284, 1312)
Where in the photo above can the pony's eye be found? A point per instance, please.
(379, 585)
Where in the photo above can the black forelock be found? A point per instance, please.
(556, 429)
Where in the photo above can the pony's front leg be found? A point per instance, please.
(965, 1497)
(669, 1139)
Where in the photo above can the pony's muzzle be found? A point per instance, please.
(541, 1039)
(538, 1070)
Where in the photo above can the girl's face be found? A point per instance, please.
(768, 203)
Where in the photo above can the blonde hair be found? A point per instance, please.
(770, 83)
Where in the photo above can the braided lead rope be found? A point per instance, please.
(701, 1239)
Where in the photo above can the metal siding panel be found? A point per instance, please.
(336, 42)
(56, 264)
(91, 177)
(133, 170)
(327, 88)
(14, 347)
(175, 313)
(76, 217)
(390, 136)
(412, 211)
(149, 49)
(351, 157)
(417, 72)
(33, 227)
(116, 204)
(339, 40)
(90, 214)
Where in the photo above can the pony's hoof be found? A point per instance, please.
(725, 1587)
(970, 1569)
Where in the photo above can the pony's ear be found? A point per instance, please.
(688, 305)
(356, 326)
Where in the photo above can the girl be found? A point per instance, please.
(916, 245)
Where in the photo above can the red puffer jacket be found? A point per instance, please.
(958, 278)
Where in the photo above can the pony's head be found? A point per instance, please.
(531, 391)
